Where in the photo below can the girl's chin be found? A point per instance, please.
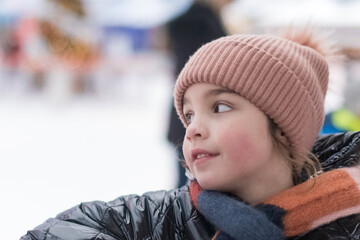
(209, 185)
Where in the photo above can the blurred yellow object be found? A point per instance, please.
(346, 120)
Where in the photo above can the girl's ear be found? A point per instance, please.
(280, 135)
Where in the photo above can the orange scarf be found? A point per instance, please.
(297, 210)
(319, 201)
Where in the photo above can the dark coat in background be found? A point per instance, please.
(170, 214)
(188, 32)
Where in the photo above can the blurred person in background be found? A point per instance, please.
(11, 49)
(11, 53)
(253, 106)
(60, 48)
(198, 25)
(346, 118)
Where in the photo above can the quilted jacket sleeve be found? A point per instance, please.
(154, 215)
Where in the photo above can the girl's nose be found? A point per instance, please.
(197, 129)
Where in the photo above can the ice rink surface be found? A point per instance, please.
(57, 153)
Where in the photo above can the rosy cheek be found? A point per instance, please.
(239, 144)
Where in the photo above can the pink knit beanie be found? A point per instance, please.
(286, 80)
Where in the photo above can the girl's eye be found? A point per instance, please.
(189, 117)
(219, 108)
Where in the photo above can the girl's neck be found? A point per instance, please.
(263, 186)
(261, 193)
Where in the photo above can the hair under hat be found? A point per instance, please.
(286, 80)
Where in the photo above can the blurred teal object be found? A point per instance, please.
(341, 120)
(328, 126)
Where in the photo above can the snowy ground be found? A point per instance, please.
(55, 154)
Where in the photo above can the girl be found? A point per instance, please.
(252, 107)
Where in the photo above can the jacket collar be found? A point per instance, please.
(338, 150)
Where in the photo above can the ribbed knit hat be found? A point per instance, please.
(286, 80)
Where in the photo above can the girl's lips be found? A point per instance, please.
(199, 155)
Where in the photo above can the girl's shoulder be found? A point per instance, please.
(165, 214)
(338, 150)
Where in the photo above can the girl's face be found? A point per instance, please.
(228, 146)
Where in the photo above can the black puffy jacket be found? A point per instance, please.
(170, 215)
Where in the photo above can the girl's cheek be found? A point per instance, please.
(186, 153)
(239, 143)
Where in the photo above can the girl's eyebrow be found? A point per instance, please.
(213, 92)
(218, 91)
